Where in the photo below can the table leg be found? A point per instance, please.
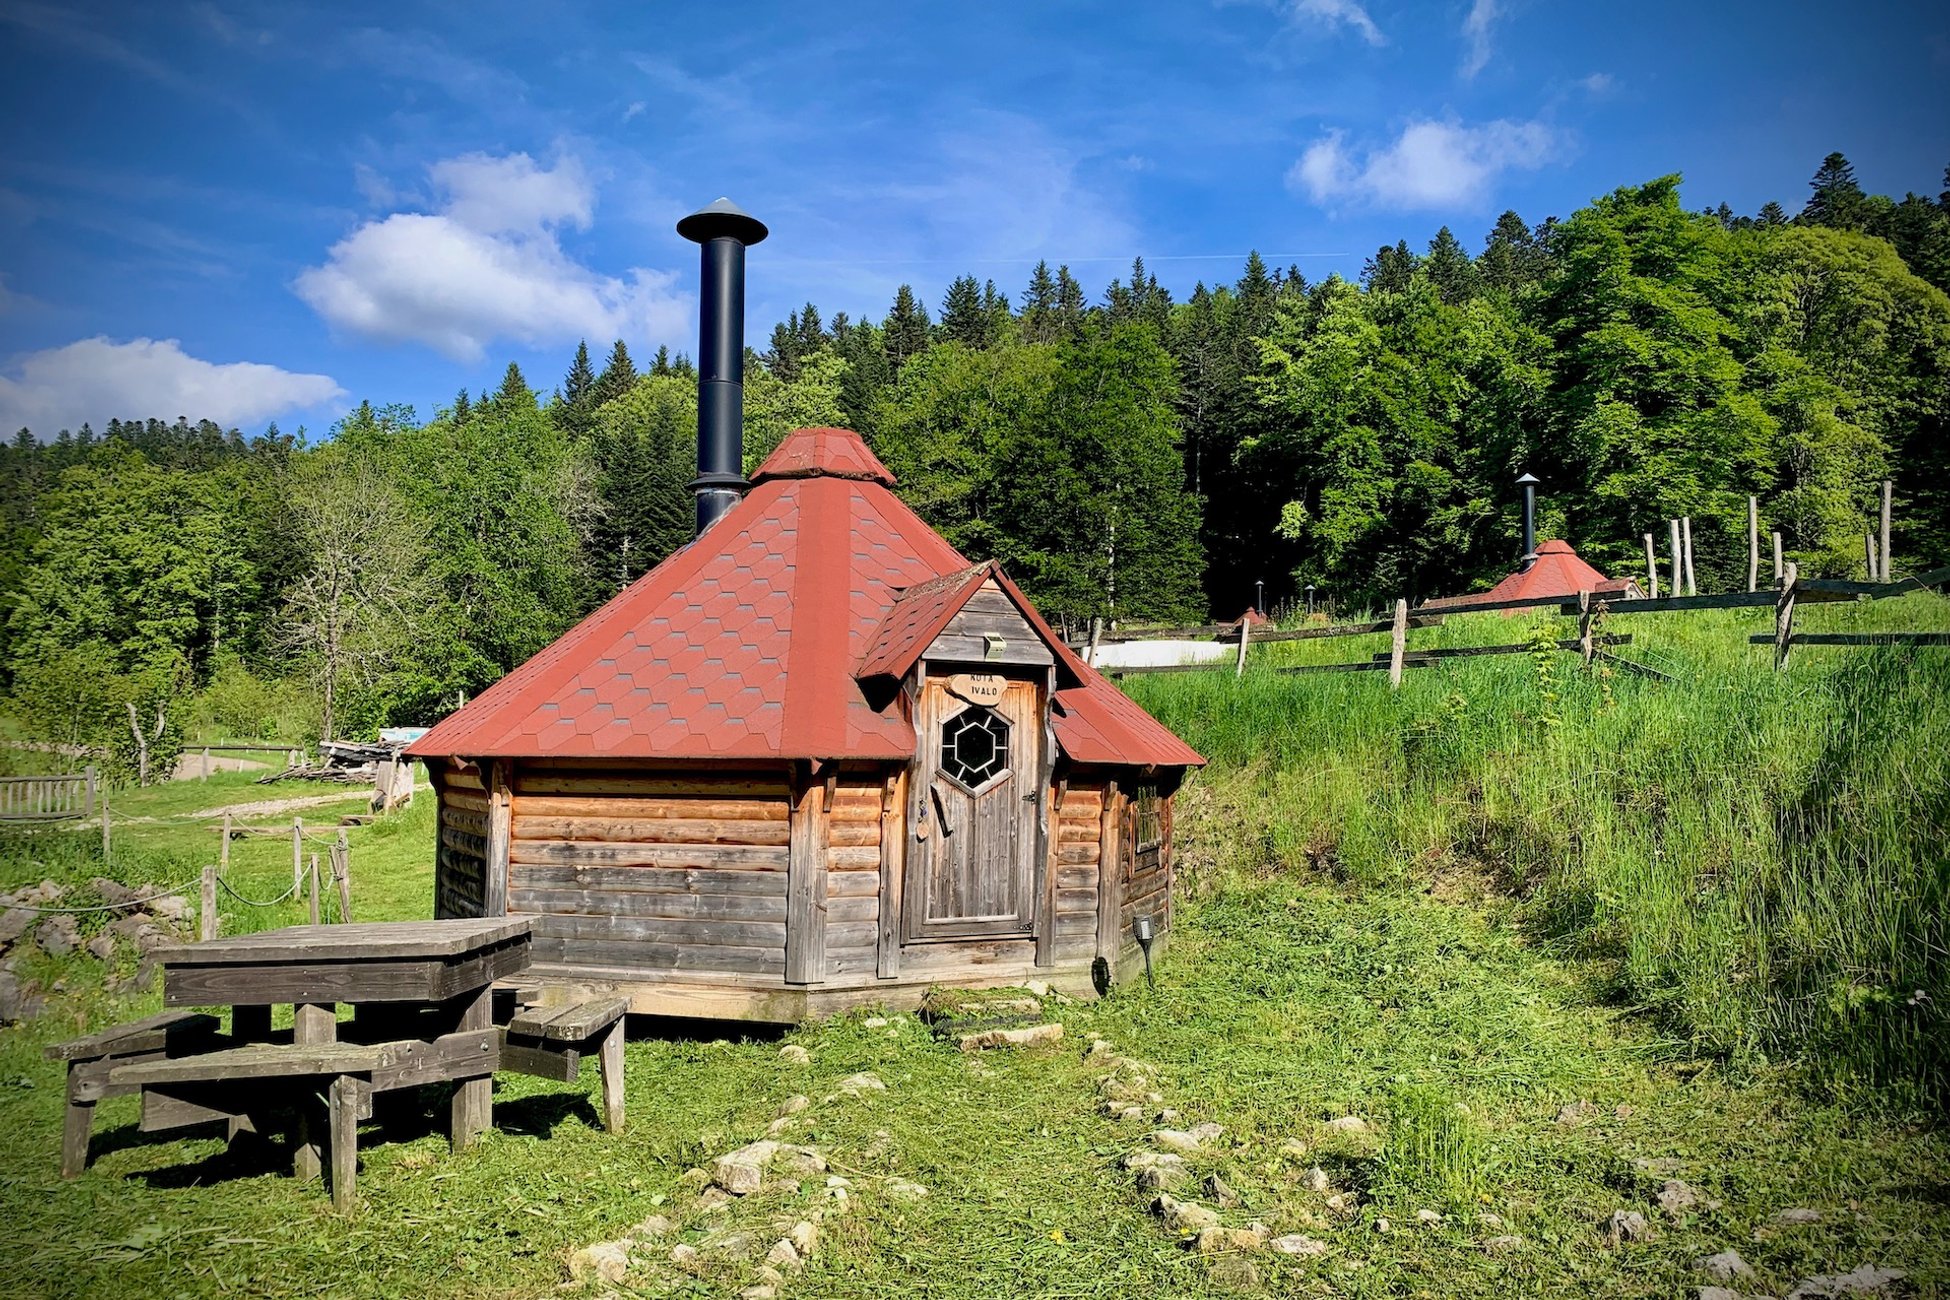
(473, 1098)
(251, 1024)
(345, 1106)
(75, 1130)
(610, 1061)
(312, 1022)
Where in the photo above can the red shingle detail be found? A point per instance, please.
(1557, 572)
(749, 642)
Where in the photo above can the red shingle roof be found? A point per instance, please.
(1557, 572)
(751, 641)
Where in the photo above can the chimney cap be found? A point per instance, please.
(1529, 478)
(720, 219)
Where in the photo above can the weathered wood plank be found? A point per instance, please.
(675, 808)
(258, 1061)
(670, 905)
(149, 1034)
(660, 957)
(651, 830)
(716, 857)
(650, 880)
(1858, 638)
(804, 935)
(700, 932)
(546, 781)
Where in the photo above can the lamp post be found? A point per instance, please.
(1310, 600)
(1529, 485)
(1259, 596)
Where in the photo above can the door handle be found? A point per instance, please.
(941, 811)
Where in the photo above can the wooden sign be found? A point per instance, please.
(978, 688)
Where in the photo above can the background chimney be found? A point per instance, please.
(1529, 485)
(723, 233)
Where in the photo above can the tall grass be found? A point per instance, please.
(1762, 855)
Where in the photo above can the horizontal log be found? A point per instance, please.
(1860, 638)
(861, 908)
(658, 787)
(648, 830)
(1076, 854)
(660, 957)
(452, 780)
(561, 1065)
(669, 906)
(1075, 877)
(702, 933)
(461, 819)
(1362, 667)
(719, 857)
(860, 859)
(1076, 900)
(854, 835)
(1465, 651)
(647, 880)
(853, 884)
(679, 808)
(473, 846)
(474, 803)
(1077, 831)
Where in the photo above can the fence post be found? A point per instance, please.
(1585, 646)
(104, 821)
(314, 889)
(88, 774)
(1753, 543)
(1777, 557)
(1678, 587)
(342, 873)
(1096, 631)
(1784, 618)
(1651, 568)
(1399, 646)
(1888, 488)
(206, 764)
(1245, 635)
(206, 916)
(223, 849)
(1869, 553)
(1686, 528)
(297, 855)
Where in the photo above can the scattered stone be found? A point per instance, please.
(1675, 1198)
(1166, 1116)
(102, 946)
(855, 1084)
(1428, 1218)
(654, 1226)
(733, 1245)
(694, 1177)
(903, 1190)
(606, 1260)
(1727, 1266)
(1341, 1202)
(1177, 1140)
(1576, 1113)
(793, 1054)
(804, 1161)
(1316, 1180)
(1297, 1243)
(1788, 1218)
(713, 1198)
(1626, 1225)
(742, 1172)
(783, 1255)
(58, 935)
(1383, 1226)
(1232, 1273)
(1099, 1047)
(1294, 1149)
(685, 1256)
(1347, 1124)
(1027, 1036)
(1184, 1216)
(1719, 1293)
(1157, 1171)
(1864, 1279)
(14, 922)
(1213, 1240)
(1499, 1244)
(762, 1291)
(1222, 1193)
(1039, 988)
(171, 907)
(116, 894)
(13, 1005)
(45, 894)
(804, 1237)
(875, 1022)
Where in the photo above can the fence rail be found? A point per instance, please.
(67, 796)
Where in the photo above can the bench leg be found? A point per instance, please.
(75, 1130)
(473, 1098)
(311, 1022)
(610, 1062)
(345, 1106)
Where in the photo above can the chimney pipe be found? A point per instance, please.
(1529, 484)
(722, 233)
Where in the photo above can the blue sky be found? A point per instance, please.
(251, 211)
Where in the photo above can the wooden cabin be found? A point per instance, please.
(814, 760)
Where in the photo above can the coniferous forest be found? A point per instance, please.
(1127, 455)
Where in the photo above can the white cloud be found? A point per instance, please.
(1334, 13)
(636, 109)
(1431, 165)
(94, 380)
(1597, 83)
(487, 264)
(1476, 35)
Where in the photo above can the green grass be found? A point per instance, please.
(1431, 909)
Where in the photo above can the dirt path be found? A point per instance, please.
(192, 765)
(269, 807)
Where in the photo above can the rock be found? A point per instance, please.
(1232, 1273)
(804, 1237)
(1166, 1116)
(1298, 1243)
(171, 907)
(1576, 1113)
(804, 1161)
(742, 1172)
(687, 1257)
(793, 1054)
(1222, 1194)
(875, 1022)
(733, 1245)
(1341, 1202)
(1789, 1218)
(1316, 1180)
(1864, 1279)
(1038, 988)
(654, 1226)
(1294, 1149)
(902, 1189)
(1675, 1198)
(1383, 1226)
(713, 1198)
(1212, 1241)
(1727, 1266)
(784, 1255)
(1206, 1132)
(1500, 1244)
(1184, 1216)
(57, 935)
(1157, 1171)
(1176, 1140)
(102, 947)
(1347, 1124)
(46, 893)
(13, 1004)
(116, 894)
(694, 1177)
(606, 1260)
(1099, 1047)
(1626, 1225)
(1428, 1218)
(762, 1291)
(1719, 1293)
(855, 1084)
(14, 922)
(1028, 1036)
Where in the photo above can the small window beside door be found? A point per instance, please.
(975, 748)
(1147, 835)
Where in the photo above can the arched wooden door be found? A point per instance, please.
(973, 816)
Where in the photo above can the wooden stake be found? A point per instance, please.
(314, 889)
(104, 822)
(1245, 635)
(1651, 568)
(1869, 554)
(223, 848)
(206, 916)
(1888, 489)
(1686, 531)
(1585, 648)
(1678, 588)
(1777, 557)
(297, 857)
(1399, 646)
(1784, 618)
(88, 809)
(206, 764)
(342, 873)
(1753, 543)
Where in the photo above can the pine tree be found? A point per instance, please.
(618, 377)
(1450, 268)
(514, 391)
(782, 356)
(462, 407)
(906, 328)
(1039, 306)
(1771, 214)
(1067, 318)
(572, 410)
(963, 319)
(1836, 200)
(660, 365)
(1390, 269)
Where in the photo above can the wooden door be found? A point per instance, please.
(973, 819)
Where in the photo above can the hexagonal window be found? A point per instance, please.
(975, 748)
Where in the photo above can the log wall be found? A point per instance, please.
(1077, 834)
(853, 873)
(460, 857)
(677, 873)
(1146, 885)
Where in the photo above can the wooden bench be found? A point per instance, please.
(93, 1059)
(550, 1042)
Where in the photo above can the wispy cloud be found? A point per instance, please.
(1432, 164)
(1476, 30)
(487, 265)
(93, 380)
(69, 30)
(1339, 13)
(1598, 83)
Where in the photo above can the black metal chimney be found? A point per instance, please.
(723, 233)
(1529, 485)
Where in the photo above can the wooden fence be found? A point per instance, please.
(68, 796)
(1591, 645)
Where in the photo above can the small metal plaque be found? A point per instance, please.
(978, 688)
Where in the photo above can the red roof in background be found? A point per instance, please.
(1557, 572)
(750, 642)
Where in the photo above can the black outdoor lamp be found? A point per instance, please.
(1259, 599)
(1310, 599)
(1141, 931)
